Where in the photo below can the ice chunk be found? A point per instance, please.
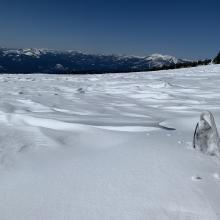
(206, 138)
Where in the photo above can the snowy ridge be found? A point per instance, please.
(158, 60)
(46, 61)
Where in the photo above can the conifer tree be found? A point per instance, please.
(217, 59)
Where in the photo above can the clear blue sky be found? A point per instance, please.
(186, 29)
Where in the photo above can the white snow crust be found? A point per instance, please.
(94, 147)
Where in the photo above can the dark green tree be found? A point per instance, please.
(217, 59)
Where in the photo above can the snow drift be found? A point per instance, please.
(115, 146)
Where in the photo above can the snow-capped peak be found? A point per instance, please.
(160, 57)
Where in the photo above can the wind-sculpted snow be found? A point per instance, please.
(113, 146)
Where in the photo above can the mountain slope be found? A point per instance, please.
(53, 61)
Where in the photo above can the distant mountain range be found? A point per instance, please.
(54, 61)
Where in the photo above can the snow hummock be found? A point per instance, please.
(113, 146)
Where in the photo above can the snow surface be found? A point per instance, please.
(103, 147)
